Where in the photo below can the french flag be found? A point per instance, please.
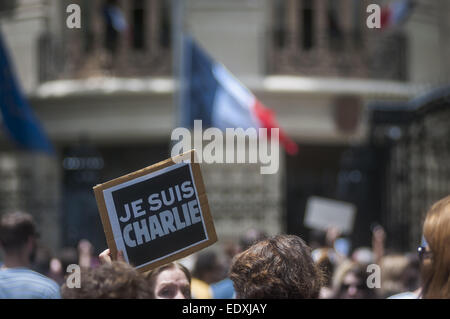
(212, 94)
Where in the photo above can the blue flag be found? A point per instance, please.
(199, 85)
(18, 119)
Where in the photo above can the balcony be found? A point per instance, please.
(330, 39)
(134, 41)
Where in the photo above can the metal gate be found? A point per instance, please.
(416, 139)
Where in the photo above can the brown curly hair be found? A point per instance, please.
(279, 267)
(116, 280)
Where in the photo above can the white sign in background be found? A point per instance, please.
(322, 213)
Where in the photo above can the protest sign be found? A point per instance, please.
(322, 213)
(157, 214)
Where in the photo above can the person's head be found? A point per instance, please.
(208, 268)
(116, 280)
(18, 235)
(436, 256)
(350, 281)
(279, 267)
(171, 281)
(393, 271)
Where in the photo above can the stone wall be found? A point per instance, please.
(31, 183)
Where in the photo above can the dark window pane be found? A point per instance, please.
(278, 27)
(138, 18)
(307, 16)
(165, 31)
(334, 27)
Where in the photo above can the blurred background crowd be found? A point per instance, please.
(341, 273)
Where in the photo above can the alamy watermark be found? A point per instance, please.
(74, 278)
(230, 146)
(374, 19)
(73, 20)
(374, 279)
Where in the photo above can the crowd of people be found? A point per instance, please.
(257, 266)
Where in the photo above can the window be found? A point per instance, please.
(138, 14)
(307, 20)
(279, 30)
(357, 23)
(165, 31)
(87, 29)
(334, 27)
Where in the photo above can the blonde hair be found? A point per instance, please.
(436, 272)
(393, 268)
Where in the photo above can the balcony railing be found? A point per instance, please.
(330, 38)
(136, 44)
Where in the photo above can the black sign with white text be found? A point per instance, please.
(158, 216)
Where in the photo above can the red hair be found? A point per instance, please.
(436, 272)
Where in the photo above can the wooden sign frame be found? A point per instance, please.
(208, 225)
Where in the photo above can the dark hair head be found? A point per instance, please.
(278, 267)
(15, 230)
(116, 280)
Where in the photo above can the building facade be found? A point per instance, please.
(107, 92)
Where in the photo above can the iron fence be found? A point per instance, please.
(416, 137)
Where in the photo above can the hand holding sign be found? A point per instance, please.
(157, 214)
(106, 258)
